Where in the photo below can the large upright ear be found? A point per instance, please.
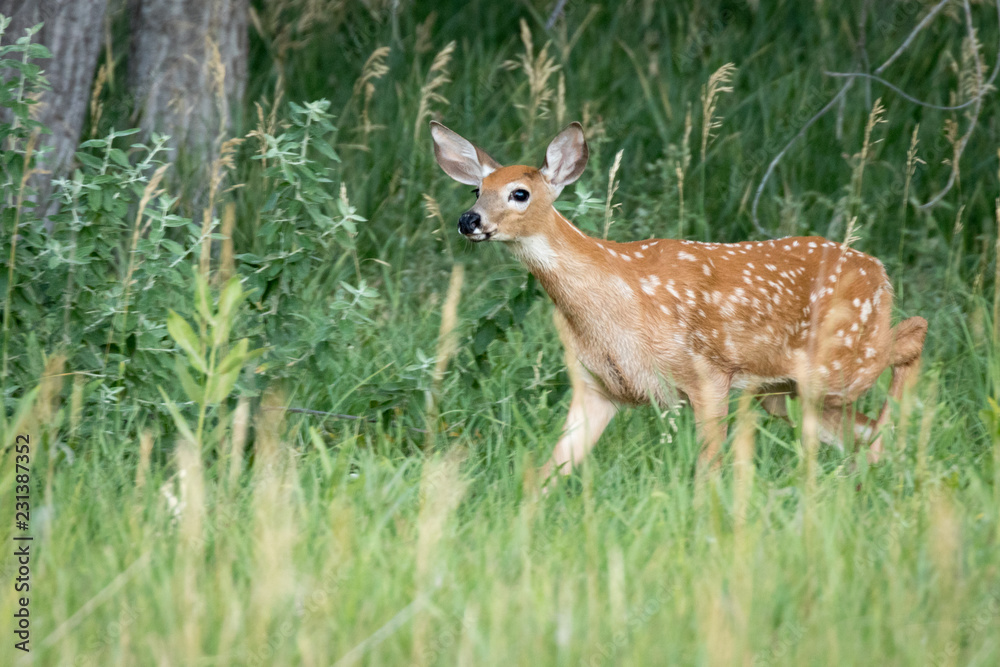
(459, 158)
(566, 157)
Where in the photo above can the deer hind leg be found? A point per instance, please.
(907, 346)
(710, 402)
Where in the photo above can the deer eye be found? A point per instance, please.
(519, 195)
(476, 192)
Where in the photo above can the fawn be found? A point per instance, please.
(663, 319)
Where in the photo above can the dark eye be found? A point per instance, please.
(476, 192)
(519, 195)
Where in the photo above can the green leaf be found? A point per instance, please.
(224, 381)
(236, 357)
(94, 199)
(231, 296)
(202, 299)
(182, 424)
(487, 333)
(118, 156)
(324, 453)
(89, 160)
(326, 150)
(184, 335)
(191, 388)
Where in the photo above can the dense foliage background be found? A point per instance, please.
(162, 308)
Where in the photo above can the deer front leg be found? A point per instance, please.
(590, 412)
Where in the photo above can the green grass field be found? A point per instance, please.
(182, 517)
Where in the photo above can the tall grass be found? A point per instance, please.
(361, 489)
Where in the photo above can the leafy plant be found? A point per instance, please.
(210, 366)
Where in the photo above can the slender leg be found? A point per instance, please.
(833, 422)
(710, 402)
(590, 412)
(772, 398)
(838, 418)
(908, 345)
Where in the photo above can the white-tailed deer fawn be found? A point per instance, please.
(661, 319)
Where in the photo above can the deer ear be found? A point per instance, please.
(459, 158)
(566, 157)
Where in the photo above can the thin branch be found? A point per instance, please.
(881, 68)
(913, 35)
(556, 13)
(980, 92)
(337, 415)
(907, 96)
(777, 158)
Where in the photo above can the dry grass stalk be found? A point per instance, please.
(718, 83)
(617, 608)
(145, 452)
(612, 189)
(49, 394)
(441, 491)
(374, 69)
(267, 125)
(930, 405)
(237, 440)
(424, 34)
(561, 100)
(96, 106)
(227, 256)
(467, 643)
(875, 118)
(996, 279)
(437, 77)
(76, 403)
(148, 193)
(217, 76)
(912, 160)
(446, 347)
(191, 475)
(681, 168)
(955, 253)
(722, 622)
(225, 161)
(274, 516)
(50, 387)
(433, 210)
(538, 70)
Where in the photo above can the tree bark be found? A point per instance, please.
(188, 69)
(73, 32)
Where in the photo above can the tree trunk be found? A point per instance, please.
(73, 32)
(188, 69)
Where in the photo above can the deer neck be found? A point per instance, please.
(574, 270)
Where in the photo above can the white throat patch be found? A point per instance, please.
(535, 252)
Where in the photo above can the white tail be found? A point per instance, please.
(661, 319)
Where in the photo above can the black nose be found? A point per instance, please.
(469, 222)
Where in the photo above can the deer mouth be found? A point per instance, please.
(478, 237)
